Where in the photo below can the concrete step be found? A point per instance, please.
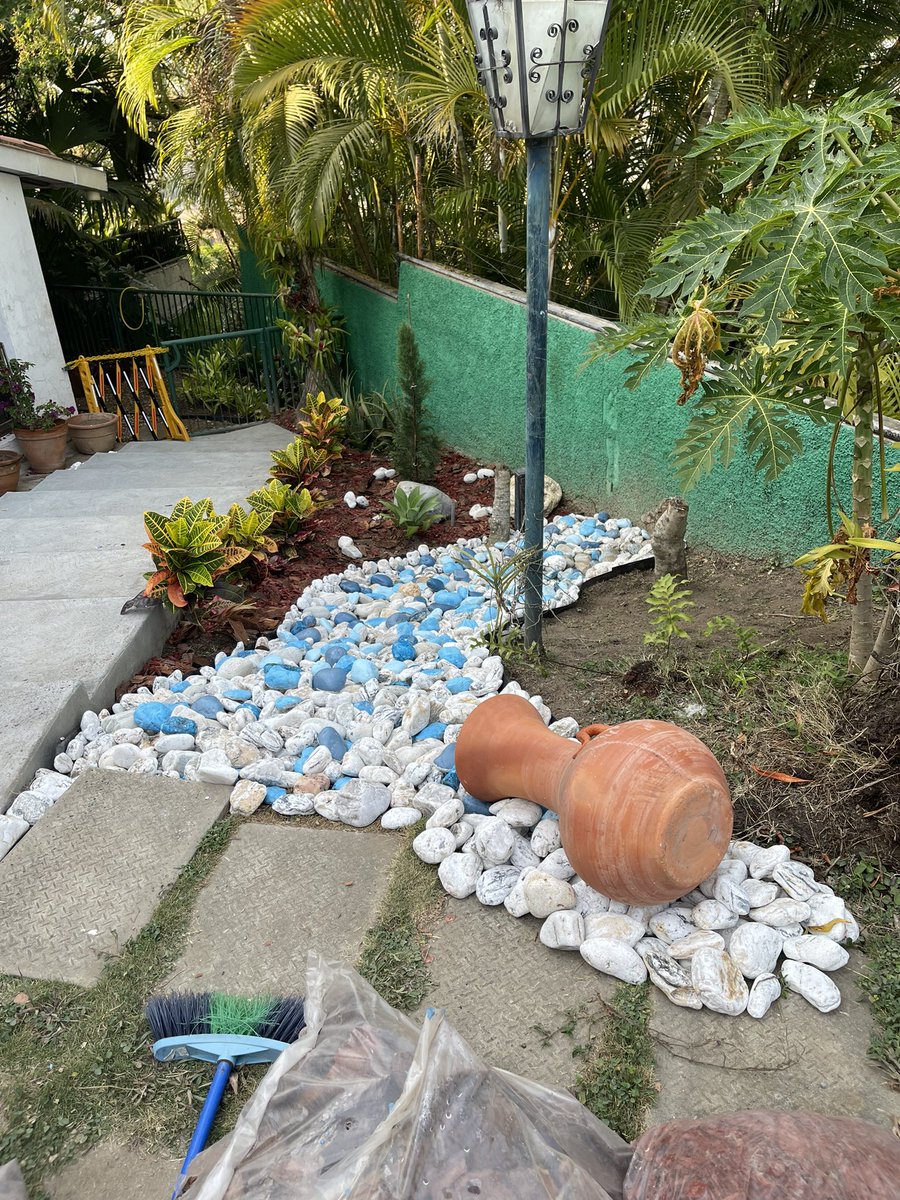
(166, 479)
(71, 574)
(35, 717)
(25, 533)
(70, 506)
(261, 437)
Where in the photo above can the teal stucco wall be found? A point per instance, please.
(604, 442)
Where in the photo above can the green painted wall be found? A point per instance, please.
(604, 443)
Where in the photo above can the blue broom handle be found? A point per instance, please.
(206, 1118)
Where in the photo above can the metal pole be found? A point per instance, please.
(537, 283)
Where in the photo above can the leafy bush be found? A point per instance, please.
(316, 338)
(413, 511)
(322, 423)
(188, 553)
(211, 382)
(300, 464)
(17, 400)
(370, 419)
(416, 446)
(247, 530)
(288, 508)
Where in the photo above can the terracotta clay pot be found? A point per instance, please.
(45, 449)
(10, 465)
(644, 808)
(93, 433)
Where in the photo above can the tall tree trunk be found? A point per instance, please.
(862, 630)
(420, 206)
(502, 222)
(499, 526)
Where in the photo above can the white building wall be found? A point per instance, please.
(27, 328)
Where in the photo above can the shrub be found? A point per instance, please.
(416, 446)
(322, 422)
(413, 511)
(287, 508)
(247, 531)
(299, 464)
(188, 553)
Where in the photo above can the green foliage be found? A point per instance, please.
(841, 564)
(322, 422)
(797, 266)
(212, 383)
(615, 1080)
(247, 530)
(299, 464)
(370, 419)
(415, 448)
(668, 601)
(316, 338)
(17, 399)
(188, 553)
(286, 507)
(413, 511)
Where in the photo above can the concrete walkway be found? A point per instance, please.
(70, 555)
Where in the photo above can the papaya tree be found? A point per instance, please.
(781, 305)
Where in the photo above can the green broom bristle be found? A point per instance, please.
(239, 1015)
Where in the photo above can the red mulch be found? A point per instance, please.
(190, 647)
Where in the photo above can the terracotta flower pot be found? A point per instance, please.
(644, 808)
(45, 449)
(93, 433)
(10, 465)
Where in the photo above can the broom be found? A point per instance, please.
(230, 1031)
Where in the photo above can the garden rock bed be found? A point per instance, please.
(352, 712)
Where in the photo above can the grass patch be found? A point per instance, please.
(76, 1063)
(393, 952)
(873, 895)
(615, 1080)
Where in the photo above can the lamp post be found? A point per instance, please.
(537, 61)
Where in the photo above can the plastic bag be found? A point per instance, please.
(12, 1185)
(765, 1156)
(366, 1106)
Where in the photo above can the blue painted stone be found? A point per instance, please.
(310, 636)
(253, 708)
(623, 523)
(331, 679)
(452, 655)
(349, 585)
(208, 706)
(407, 575)
(446, 760)
(395, 618)
(602, 517)
(451, 779)
(447, 600)
(309, 620)
(330, 738)
(314, 655)
(403, 650)
(565, 522)
(587, 527)
(268, 659)
(471, 603)
(382, 580)
(382, 593)
(326, 625)
(427, 560)
(151, 715)
(283, 703)
(273, 794)
(490, 614)
(345, 662)
(434, 730)
(363, 671)
(395, 666)
(238, 694)
(180, 685)
(281, 678)
(436, 583)
(342, 618)
(460, 573)
(467, 625)
(432, 622)
(305, 753)
(332, 654)
(471, 805)
(178, 725)
(550, 529)
(462, 683)
(435, 672)
(365, 706)
(340, 782)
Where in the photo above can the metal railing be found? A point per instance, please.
(227, 362)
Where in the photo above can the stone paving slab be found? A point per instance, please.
(110, 1171)
(508, 995)
(794, 1058)
(85, 639)
(23, 533)
(37, 716)
(74, 575)
(243, 475)
(276, 894)
(89, 874)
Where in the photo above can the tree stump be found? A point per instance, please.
(667, 527)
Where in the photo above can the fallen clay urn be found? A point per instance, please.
(644, 808)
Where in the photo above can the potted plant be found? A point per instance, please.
(41, 429)
(93, 433)
(10, 463)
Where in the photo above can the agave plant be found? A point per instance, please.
(300, 463)
(188, 553)
(412, 511)
(322, 423)
(287, 509)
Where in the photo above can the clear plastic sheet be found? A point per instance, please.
(12, 1185)
(365, 1105)
(766, 1156)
